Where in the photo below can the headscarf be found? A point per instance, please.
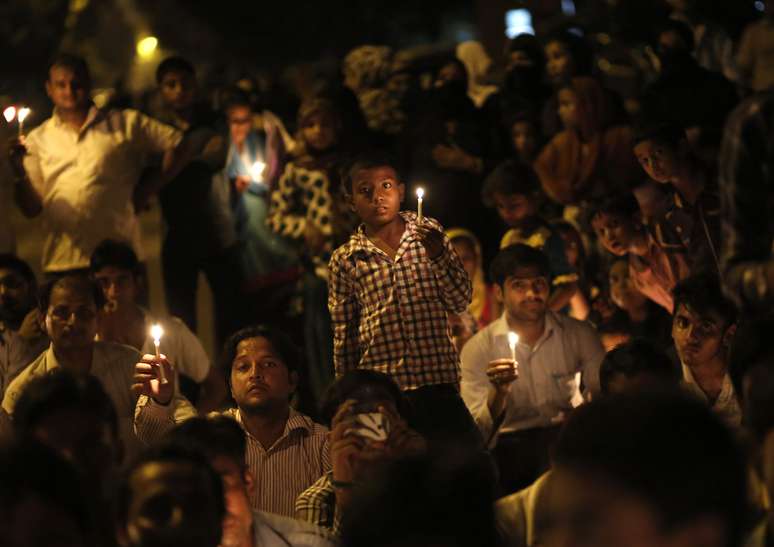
(367, 67)
(476, 307)
(477, 62)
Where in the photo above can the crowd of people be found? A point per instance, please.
(564, 343)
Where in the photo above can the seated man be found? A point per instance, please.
(170, 496)
(68, 309)
(21, 338)
(702, 329)
(357, 451)
(649, 469)
(115, 267)
(223, 443)
(518, 406)
(286, 451)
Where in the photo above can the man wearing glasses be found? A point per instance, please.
(519, 406)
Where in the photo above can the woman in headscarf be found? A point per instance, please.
(484, 307)
(478, 64)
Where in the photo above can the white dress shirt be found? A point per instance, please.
(547, 373)
(725, 406)
(277, 531)
(86, 179)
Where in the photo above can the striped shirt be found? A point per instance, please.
(317, 504)
(391, 315)
(139, 422)
(287, 468)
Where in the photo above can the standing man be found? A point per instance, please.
(80, 169)
(519, 406)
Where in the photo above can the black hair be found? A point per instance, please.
(668, 134)
(117, 254)
(49, 394)
(212, 436)
(703, 294)
(634, 358)
(577, 46)
(369, 159)
(30, 469)
(530, 45)
(76, 281)
(174, 64)
(663, 447)
(280, 341)
(681, 29)
(9, 261)
(71, 62)
(513, 257)
(357, 384)
(236, 97)
(751, 356)
(512, 177)
(621, 205)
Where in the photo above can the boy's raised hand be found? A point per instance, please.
(431, 239)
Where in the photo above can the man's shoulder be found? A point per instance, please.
(296, 420)
(276, 530)
(343, 253)
(481, 341)
(571, 326)
(36, 368)
(113, 352)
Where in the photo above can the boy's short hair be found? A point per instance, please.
(703, 294)
(636, 357)
(621, 205)
(75, 63)
(509, 259)
(80, 282)
(212, 436)
(174, 64)
(280, 341)
(357, 384)
(510, 178)
(683, 468)
(370, 159)
(669, 134)
(235, 97)
(117, 254)
(9, 261)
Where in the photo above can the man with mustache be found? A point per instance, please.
(519, 406)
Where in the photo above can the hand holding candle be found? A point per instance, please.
(420, 196)
(156, 333)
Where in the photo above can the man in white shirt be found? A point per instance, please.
(703, 327)
(518, 406)
(80, 168)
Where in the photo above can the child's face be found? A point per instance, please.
(615, 232)
(467, 253)
(240, 122)
(697, 339)
(658, 160)
(376, 195)
(568, 108)
(623, 293)
(513, 209)
(559, 63)
(524, 139)
(178, 90)
(572, 246)
(319, 131)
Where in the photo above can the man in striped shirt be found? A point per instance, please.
(286, 451)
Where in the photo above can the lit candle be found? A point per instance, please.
(9, 113)
(156, 333)
(21, 116)
(420, 195)
(513, 340)
(256, 171)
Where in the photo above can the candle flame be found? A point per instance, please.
(9, 113)
(513, 339)
(420, 193)
(156, 332)
(257, 171)
(23, 113)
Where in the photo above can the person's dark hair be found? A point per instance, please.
(577, 46)
(174, 64)
(703, 294)
(437, 499)
(78, 282)
(511, 177)
(529, 45)
(370, 159)
(566, 228)
(362, 385)
(71, 62)
(235, 97)
(29, 469)
(635, 358)
(61, 390)
(517, 256)
(681, 29)
(622, 205)
(751, 357)
(453, 60)
(667, 134)
(212, 436)
(280, 341)
(117, 254)
(663, 447)
(9, 261)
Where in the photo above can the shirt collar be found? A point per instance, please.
(91, 116)
(500, 327)
(362, 243)
(296, 422)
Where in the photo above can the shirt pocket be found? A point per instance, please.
(423, 284)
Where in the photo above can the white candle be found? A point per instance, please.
(256, 171)
(513, 340)
(420, 195)
(21, 116)
(156, 333)
(9, 113)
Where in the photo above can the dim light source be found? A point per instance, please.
(147, 46)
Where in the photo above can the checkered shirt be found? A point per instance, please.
(391, 315)
(317, 505)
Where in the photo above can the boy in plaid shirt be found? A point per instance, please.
(391, 288)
